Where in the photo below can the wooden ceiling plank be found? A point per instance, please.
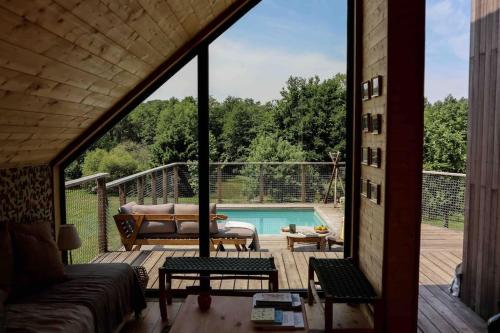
(203, 11)
(100, 17)
(131, 12)
(20, 32)
(25, 118)
(9, 146)
(186, 16)
(59, 21)
(25, 61)
(17, 101)
(161, 12)
(30, 156)
(33, 85)
(42, 132)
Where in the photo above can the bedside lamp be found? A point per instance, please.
(68, 239)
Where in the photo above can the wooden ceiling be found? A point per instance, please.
(65, 63)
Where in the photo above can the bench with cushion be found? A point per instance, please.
(174, 224)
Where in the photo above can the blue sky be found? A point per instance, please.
(279, 38)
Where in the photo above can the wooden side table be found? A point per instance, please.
(298, 237)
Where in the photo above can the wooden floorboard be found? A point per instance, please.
(438, 312)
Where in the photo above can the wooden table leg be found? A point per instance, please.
(310, 276)
(273, 282)
(169, 288)
(290, 244)
(163, 306)
(328, 314)
(322, 244)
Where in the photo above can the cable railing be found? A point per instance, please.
(91, 202)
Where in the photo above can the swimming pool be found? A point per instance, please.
(270, 221)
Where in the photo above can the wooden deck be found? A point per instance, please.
(441, 252)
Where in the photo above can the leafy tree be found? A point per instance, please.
(445, 135)
(123, 160)
(311, 114)
(176, 138)
(273, 149)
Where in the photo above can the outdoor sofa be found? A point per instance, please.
(177, 224)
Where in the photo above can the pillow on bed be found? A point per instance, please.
(37, 260)
(6, 262)
(191, 227)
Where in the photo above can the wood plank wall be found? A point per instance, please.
(392, 46)
(481, 284)
(371, 215)
(64, 63)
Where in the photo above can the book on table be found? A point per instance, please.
(282, 301)
(285, 311)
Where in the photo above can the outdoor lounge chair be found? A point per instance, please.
(174, 224)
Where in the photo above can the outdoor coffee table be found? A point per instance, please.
(319, 239)
(226, 314)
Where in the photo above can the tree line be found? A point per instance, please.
(305, 124)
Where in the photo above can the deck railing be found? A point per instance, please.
(86, 208)
(233, 182)
(90, 202)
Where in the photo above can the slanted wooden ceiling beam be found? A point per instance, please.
(160, 75)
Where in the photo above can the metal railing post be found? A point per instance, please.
(140, 191)
(153, 188)
(122, 194)
(219, 183)
(302, 183)
(165, 185)
(176, 184)
(102, 203)
(261, 183)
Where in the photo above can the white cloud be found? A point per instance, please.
(238, 69)
(439, 83)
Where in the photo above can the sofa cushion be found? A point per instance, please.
(127, 208)
(152, 227)
(7, 262)
(38, 261)
(191, 227)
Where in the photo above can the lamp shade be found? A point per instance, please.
(68, 238)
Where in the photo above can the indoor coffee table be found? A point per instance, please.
(298, 237)
(226, 314)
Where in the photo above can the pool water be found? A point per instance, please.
(270, 221)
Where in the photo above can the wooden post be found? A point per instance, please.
(140, 191)
(102, 236)
(153, 188)
(165, 185)
(219, 183)
(122, 194)
(335, 186)
(302, 183)
(261, 183)
(176, 184)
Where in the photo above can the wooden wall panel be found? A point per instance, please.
(371, 219)
(392, 46)
(481, 284)
(64, 63)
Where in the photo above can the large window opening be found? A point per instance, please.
(276, 145)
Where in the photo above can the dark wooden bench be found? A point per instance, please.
(342, 282)
(232, 268)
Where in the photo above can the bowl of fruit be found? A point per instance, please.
(321, 229)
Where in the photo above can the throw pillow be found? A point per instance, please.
(37, 258)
